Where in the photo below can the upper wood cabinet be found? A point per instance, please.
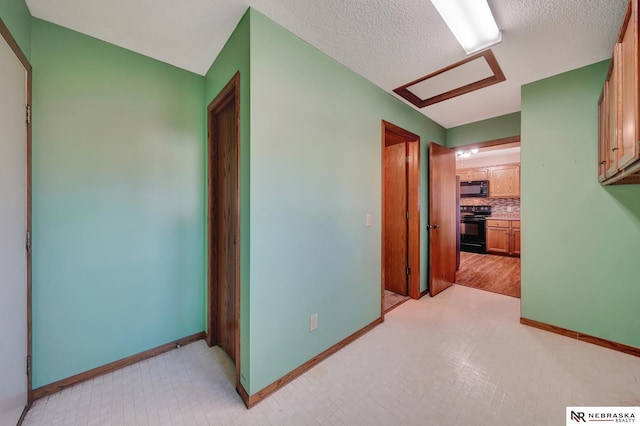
(618, 111)
(467, 175)
(504, 181)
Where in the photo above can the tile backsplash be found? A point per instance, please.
(499, 205)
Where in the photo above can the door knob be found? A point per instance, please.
(434, 226)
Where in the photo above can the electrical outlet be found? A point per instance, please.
(509, 209)
(313, 322)
(368, 220)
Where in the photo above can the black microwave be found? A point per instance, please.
(475, 188)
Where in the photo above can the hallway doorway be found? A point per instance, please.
(223, 215)
(400, 212)
(15, 230)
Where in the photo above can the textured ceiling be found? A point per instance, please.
(388, 42)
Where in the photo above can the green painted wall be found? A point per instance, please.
(16, 16)
(315, 173)
(580, 240)
(118, 225)
(234, 57)
(500, 127)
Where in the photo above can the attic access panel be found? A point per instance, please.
(470, 74)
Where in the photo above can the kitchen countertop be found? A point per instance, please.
(504, 217)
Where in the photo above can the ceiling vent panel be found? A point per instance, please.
(473, 73)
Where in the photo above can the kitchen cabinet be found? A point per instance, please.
(497, 239)
(503, 236)
(515, 237)
(618, 109)
(504, 181)
(473, 174)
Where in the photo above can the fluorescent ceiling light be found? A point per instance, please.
(471, 22)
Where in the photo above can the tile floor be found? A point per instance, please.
(461, 358)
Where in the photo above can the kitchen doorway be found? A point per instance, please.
(400, 213)
(490, 223)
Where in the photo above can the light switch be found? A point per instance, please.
(368, 220)
(313, 322)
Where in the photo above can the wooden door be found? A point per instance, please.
(14, 224)
(442, 213)
(224, 221)
(395, 218)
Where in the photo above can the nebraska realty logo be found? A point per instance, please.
(602, 415)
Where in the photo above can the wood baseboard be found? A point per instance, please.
(243, 394)
(54, 387)
(23, 415)
(630, 350)
(251, 400)
(423, 293)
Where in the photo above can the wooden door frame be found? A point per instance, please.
(413, 196)
(231, 89)
(13, 45)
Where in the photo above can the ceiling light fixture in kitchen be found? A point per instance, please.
(471, 22)
(466, 154)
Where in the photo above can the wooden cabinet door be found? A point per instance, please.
(603, 132)
(515, 241)
(467, 175)
(504, 181)
(478, 174)
(614, 134)
(464, 175)
(498, 240)
(628, 86)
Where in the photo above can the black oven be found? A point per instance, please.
(473, 234)
(473, 228)
(475, 188)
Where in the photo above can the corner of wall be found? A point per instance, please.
(580, 239)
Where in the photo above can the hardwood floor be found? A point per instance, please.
(498, 274)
